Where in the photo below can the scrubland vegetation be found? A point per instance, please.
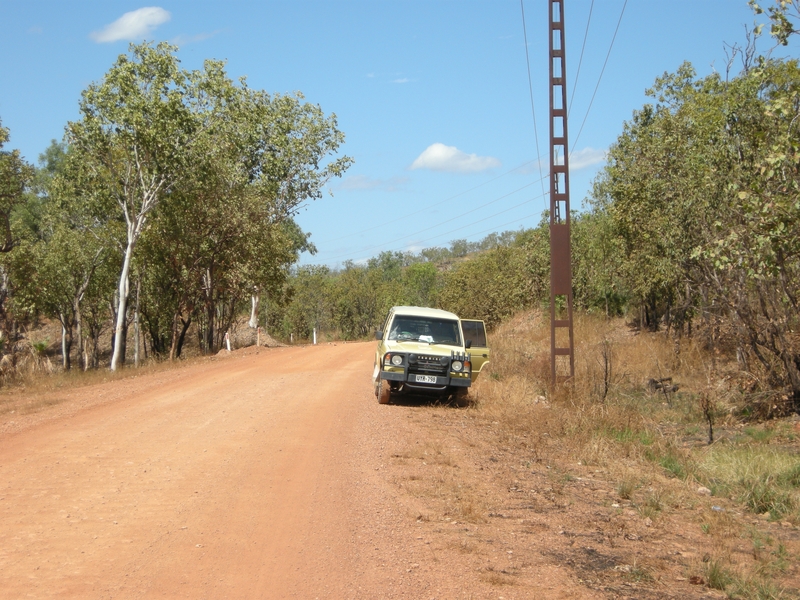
(655, 444)
(166, 214)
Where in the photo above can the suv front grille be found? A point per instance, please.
(427, 364)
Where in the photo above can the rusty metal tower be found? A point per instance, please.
(561, 333)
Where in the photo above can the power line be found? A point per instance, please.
(494, 228)
(411, 235)
(429, 206)
(530, 89)
(539, 162)
(580, 60)
(608, 54)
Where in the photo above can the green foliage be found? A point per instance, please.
(492, 285)
(673, 464)
(780, 16)
(717, 575)
(181, 186)
(761, 494)
(700, 197)
(15, 176)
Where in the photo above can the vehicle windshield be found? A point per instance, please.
(425, 329)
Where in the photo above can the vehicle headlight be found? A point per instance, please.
(457, 365)
(397, 360)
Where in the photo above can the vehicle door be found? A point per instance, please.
(475, 332)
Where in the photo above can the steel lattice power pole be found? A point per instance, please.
(561, 345)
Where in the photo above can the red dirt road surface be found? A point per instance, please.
(276, 474)
(229, 479)
(257, 475)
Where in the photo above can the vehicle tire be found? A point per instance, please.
(384, 393)
(460, 396)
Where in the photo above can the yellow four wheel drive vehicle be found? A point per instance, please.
(428, 351)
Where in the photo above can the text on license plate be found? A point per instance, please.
(426, 379)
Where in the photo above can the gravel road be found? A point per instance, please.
(274, 473)
(241, 477)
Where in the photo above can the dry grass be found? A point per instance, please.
(431, 473)
(653, 443)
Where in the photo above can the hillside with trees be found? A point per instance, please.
(166, 215)
(692, 227)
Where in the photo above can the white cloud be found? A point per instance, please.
(362, 182)
(438, 157)
(401, 80)
(586, 157)
(133, 25)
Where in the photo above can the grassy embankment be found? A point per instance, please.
(654, 443)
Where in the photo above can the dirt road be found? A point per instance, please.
(258, 475)
(228, 479)
(275, 474)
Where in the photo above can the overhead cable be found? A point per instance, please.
(495, 228)
(608, 54)
(411, 235)
(429, 206)
(580, 60)
(530, 89)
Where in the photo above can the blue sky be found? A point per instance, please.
(432, 95)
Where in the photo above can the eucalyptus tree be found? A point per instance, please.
(228, 229)
(15, 176)
(135, 135)
(651, 192)
(284, 150)
(64, 270)
(597, 264)
(420, 284)
(154, 134)
(491, 285)
(750, 255)
(63, 245)
(312, 300)
(781, 17)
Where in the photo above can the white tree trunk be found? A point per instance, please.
(63, 344)
(116, 358)
(254, 301)
(136, 325)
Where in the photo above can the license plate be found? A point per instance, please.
(426, 379)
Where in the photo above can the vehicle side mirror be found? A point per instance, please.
(378, 334)
(468, 344)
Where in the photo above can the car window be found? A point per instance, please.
(425, 329)
(474, 332)
(386, 322)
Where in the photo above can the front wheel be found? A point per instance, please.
(460, 396)
(384, 392)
